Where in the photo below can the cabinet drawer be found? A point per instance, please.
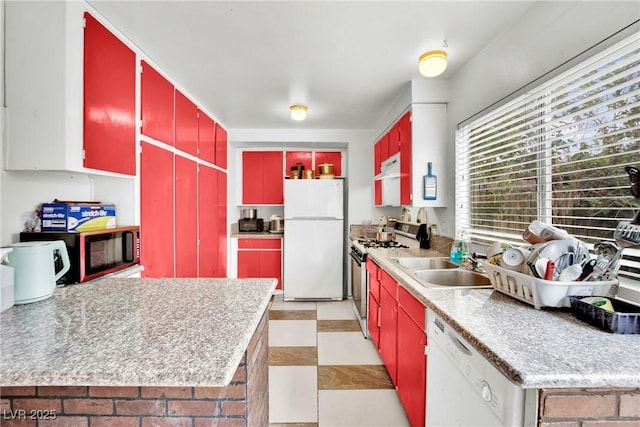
(413, 307)
(374, 289)
(259, 243)
(374, 282)
(389, 283)
(373, 321)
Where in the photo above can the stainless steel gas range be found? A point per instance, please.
(360, 278)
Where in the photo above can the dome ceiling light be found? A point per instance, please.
(298, 112)
(433, 63)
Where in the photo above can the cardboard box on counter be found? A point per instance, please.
(69, 216)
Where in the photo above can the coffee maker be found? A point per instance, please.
(250, 221)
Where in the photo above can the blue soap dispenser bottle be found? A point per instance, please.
(430, 184)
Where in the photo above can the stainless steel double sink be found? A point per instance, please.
(439, 271)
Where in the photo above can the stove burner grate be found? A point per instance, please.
(367, 243)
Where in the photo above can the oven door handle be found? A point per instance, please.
(356, 259)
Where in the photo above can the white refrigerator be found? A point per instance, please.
(313, 239)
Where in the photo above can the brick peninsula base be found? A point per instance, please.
(242, 403)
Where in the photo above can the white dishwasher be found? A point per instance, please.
(464, 388)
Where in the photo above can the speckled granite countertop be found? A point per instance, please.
(133, 332)
(547, 348)
(235, 233)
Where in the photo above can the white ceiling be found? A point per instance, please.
(247, 61)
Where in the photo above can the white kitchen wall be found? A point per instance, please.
(546, 36)
(23, 192)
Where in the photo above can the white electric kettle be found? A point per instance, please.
(34, 267)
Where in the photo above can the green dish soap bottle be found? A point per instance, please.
(430, 184)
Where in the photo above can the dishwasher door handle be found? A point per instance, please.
(460, 345)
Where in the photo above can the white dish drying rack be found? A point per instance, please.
(539, 292)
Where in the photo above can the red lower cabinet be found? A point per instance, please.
(208, 224)
(260, 258)
(389, 324)
(186, 206)
(411, 368)
(396, 322)
(248, 264)
(156, 211)
(222, 224)
(182, 216)
(373, 311)
(373, 320)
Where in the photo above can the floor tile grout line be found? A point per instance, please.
(316, 350)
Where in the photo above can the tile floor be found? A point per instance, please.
(322, 372)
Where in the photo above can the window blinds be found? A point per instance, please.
(556, 153)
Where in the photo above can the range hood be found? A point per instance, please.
(390, 178)
(390, 168)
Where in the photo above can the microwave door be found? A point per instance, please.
(97, 254)
(128, 247)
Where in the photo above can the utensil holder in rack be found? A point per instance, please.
(539, 292)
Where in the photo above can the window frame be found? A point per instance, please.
(544, 167)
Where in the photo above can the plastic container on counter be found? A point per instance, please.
(624, 319)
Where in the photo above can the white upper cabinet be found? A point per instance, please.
(44, 85)
(429, 144)
(44, 71)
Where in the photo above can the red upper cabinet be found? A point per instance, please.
(405, 159)
(394, 139)
(377, 159)
(221, 146)
(252, 174)
(273, 180)
(157, 101)
(186, 119)
(109, 101)
(333, 157)
(384, 147)
(312, 159)
(262, 180)
(206, 138)
(294, 157)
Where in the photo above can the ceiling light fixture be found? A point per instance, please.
(298, 112)
(433, 63)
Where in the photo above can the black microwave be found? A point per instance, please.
(94, 253)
